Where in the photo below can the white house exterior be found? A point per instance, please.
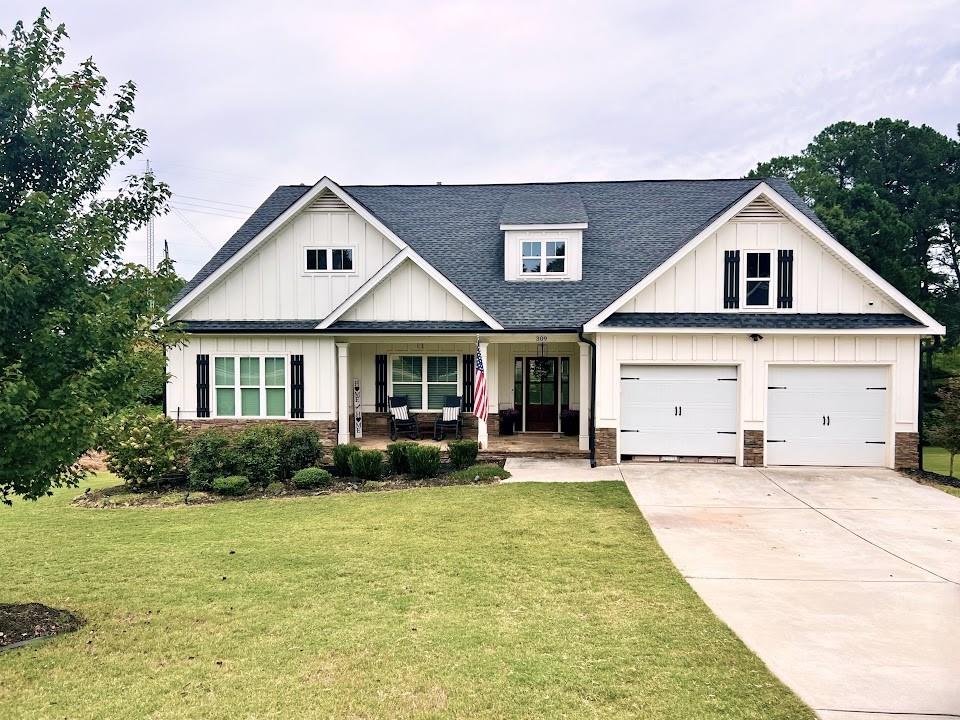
(708, 320)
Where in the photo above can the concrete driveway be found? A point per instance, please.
(846, 582)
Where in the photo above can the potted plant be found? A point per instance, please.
(509, 417)
(570, 422)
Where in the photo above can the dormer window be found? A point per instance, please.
(758, 279)
(543, 257)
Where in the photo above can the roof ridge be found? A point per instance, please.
(564, 182)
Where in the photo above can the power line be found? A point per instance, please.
(207, 211)
(186, 221)
(212, 202)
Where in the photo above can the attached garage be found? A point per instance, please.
(827, 415)
(678, 410)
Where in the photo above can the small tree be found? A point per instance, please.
(945, 421)
(143, 446)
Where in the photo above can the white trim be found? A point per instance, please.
(543, 257)
(759, 331)
(263, 387)
(328, 252)
(791, 213)
(562, 226)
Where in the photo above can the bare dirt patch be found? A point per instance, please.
(28, 621)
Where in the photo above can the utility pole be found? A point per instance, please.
(150, 230)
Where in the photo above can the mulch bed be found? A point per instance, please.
(932, 477)
(24, 622)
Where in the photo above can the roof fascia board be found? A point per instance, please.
(593, 325)
(761, 331)
(546, 226)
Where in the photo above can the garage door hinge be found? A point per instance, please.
(875, 442)
(728, 379)
(876, 388)
(776, 387)
(726, 432)
(770, 441)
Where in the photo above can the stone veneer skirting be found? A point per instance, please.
(906, 450)
(753, 448)
(605, 446)
(378, 424)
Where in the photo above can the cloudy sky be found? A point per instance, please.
(239, 97)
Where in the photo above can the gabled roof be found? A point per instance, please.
(634, 226)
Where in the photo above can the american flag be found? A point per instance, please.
(479, 388)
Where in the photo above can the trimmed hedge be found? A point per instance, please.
(424, 461)
(341, 458)
(463, 453)
(231, 485)
(312, 477)
(367, 464)
(210, 456)
(397, 456)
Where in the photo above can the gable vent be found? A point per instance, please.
(759, 210)
(326, 201)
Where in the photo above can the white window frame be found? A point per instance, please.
(544, 257)
(424, 382)
(238, 414)
(328, 252)
(772, 280)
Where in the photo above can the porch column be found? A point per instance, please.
(343, 393)
(482, 424)
(585, 408)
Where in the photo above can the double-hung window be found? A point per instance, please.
(250, 386)
(758, 290)
(328, 259)
(425, 379)
(543, 257)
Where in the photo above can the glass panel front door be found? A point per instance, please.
(542, 394)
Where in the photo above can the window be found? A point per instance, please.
(758, 276)
(258, 390)
(329, 259)
(564, 383)
(425, 391)
(541, 257)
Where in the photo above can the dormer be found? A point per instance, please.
(543, 235)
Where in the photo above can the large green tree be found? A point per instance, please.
(72, 312)
(890, 192)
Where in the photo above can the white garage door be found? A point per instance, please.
(678, 410)
(826, 415)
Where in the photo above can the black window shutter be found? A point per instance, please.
(731, 278)
(296, 386)
(381, 382)
(785, 278)
(203, 386)
(468, 361)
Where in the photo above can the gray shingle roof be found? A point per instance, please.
(634, 226)
(548, 207)
(761, 321)
(410, 326)
(253, 326)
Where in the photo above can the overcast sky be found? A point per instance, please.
(240, 97)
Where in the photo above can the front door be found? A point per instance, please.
(542, 394)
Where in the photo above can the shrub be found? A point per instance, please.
(397, 456)
(341, 458)
(143, 446)
(209, 456)
(257, 453)
(274, 488)
(312, 477)
(482, 472)
(424, 461)
(231, 485)
(367, 464)
(463, 453)
(299, 448)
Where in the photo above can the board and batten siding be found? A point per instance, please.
(272, 283)
(900, 353)
(408, 293)
(822, 283)
(319, 369)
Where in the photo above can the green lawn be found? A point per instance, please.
(509, 601)
(937, 460)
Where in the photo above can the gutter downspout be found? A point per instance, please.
(593, 395)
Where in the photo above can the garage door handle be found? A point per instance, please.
(828, 421)
(823, 419)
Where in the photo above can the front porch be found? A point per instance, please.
(539, 445)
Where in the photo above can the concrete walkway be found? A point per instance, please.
(846, 582)
(563, 470)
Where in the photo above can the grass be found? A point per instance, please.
(506, 601)
(938, 460)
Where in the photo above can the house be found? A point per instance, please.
(715, 320)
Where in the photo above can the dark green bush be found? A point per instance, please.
(397, 456)
(274, 488)
(367, 464)
(463, 453)
(257, 453)
(482, 472)
(231, 485)
(341, 458)
(299, 448)
(312, 477)
(424, 461)
(209, 456)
